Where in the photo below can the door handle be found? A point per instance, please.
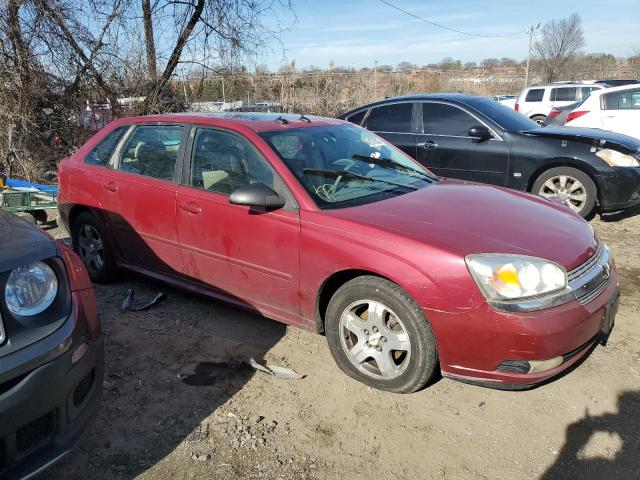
(110, 186)
(428, 144)
(190, 207)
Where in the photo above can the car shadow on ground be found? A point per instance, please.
(617, 216)
(618, 431)
(167, 370)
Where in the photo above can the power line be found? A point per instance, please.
(422, 19)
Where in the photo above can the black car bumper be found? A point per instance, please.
(619, 189)
(44, 411)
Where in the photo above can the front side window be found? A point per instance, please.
(442, 119)
(344, 165)
(394, 118)
(564, 94)
(152, 151)
(534, 95)
(626, 100)
(222, 162)
(102, 153)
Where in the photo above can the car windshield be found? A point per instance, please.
(506, 117)
(345, 165)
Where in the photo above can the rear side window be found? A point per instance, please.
(102, 153)
(391, 118)
(446, 120)
(534, 95)
(152, 151)
(565, 94)
(627, 100)
(357, 117)
(586, 91)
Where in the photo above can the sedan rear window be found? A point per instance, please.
(152, 151)
(535, 95)
(394, 118)
(357, 117)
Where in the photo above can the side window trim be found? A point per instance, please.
(496, 135)
(185, 177)
(114, 163)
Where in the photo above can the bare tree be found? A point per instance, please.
(560, 41)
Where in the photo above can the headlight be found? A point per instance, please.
(617, 159)
(31, 289)
(510, 277)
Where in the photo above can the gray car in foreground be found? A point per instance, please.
(51, 349)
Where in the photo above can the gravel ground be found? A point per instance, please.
(180, 402)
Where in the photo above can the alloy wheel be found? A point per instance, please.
(566, 189)
(91, 247)
(374, 339)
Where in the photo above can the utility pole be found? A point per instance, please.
(532, 30)
(375, 78)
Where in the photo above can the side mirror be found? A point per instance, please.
(257, 195)
(480, 131)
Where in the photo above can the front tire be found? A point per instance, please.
(570, 186)
(94, 246)
(380, 336)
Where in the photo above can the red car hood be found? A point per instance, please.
(464, 218)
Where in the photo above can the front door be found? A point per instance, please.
(445, 147)
(250, 256)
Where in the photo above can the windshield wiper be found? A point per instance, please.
(386, 162)
(346, 174)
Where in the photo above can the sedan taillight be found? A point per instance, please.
(576, 114)
(553, 113)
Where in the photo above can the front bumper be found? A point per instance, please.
(473, 345)
(619, 189)
(44, 411)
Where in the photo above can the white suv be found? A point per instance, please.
(536, 102)
(615, 109)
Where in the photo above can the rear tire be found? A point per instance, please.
(380, 336)
(569, 185)
(93, 244)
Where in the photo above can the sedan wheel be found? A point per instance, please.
(94, 247)
(380, 336)
(570, 186)
(374, 339)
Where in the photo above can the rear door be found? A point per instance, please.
(251, 256)
(395, 123)
(140, 197)
(621, 112)
(445, 147)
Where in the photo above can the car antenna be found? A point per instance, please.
(282, 120)
(304, 119)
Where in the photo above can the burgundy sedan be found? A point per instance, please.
(321, 224)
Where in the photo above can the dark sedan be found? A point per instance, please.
(476, 138)
(51, 349)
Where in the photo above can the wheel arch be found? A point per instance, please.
(565, 162)
(330, 285)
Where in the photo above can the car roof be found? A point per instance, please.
(621, 88)
(256, 121)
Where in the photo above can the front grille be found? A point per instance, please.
(593, 294)
(584, 268)
(83, 388)
(36, 433)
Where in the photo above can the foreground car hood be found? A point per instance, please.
(21, 242)
(588, 135)
(465, 217)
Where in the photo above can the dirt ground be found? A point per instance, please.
(180, 402)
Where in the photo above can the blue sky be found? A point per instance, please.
(357, 32)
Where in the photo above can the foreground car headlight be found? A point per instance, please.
(617, 159)
(511, 277)
(31, 289)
